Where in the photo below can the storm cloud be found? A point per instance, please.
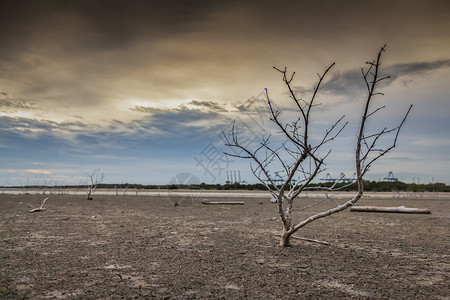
(92, 76)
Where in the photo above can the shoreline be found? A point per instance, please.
(216, 193)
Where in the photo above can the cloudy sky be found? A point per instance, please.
(143, 89)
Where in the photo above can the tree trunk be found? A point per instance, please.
(285, 239)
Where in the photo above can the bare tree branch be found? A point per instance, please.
(93, 179)
(297, 162)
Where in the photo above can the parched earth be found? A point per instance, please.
(137, 247)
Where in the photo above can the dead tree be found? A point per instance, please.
(299, 158)
(92, 181)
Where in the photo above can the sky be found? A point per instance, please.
(142, 90)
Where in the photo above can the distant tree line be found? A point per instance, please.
(394, 186)
(370, 186)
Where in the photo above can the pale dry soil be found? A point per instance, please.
(135, 247)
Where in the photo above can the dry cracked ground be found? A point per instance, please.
(137, 247)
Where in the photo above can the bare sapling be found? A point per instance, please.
(92, 181)
(300, 157)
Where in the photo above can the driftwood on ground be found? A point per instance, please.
(38, 208)
(206, 201)
(397, 209)
(310, 240)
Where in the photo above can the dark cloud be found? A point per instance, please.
(210, 105)
(179, 121)
(82, 26)
(14, 105)
(351, 83)
(193, 105)
(63, 50)
(34, 127)
(150, 109)
(10, 103)
(14, 124)
(415, 68)
(97, 23)
(253, 104)
(83, 52)
(345, 83)
(92, 58)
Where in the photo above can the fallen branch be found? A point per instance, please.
(39, 208)
(398, 209)
(205, 201)
(308, 240)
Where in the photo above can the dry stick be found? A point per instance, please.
(39, 208)
(308, 240)
(205, 201)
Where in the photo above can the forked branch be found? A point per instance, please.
(92, 181)
(38, 208)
